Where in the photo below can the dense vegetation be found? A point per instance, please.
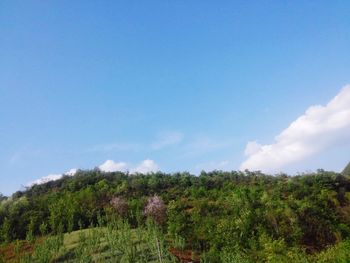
(217, 216)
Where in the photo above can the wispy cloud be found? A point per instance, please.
(163, 140)
(115, 147)
(167, 139)
(146, 166)
(319, 128)
(203, 144)
(24, 153)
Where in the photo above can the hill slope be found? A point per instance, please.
(249, 216)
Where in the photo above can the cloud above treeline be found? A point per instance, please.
(318, 129)
(52, 177)
(144, 167)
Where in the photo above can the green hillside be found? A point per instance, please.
(215, 217)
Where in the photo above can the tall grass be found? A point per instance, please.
(117, 241)
(48, 250)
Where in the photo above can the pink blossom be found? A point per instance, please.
(156, 209)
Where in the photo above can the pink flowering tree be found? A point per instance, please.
(156, 209)
(120, 206)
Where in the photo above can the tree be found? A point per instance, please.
(5, 232)
(120, 206)
(2, 197)
(156, 209)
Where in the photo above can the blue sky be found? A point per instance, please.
(184, 85)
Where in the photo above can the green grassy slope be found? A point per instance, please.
(115, 243)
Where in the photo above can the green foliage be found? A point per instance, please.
(6, 234)
(48, 250)
(336, 254)
(115, 243)
(43, 228)
(223, 216)
(179, 242)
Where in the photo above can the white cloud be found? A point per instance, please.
(45, 179)
(146, 166)
(167, 139)
(71, 172)
(252, 148)
(319, 128)
(52, 177)
(111, 166)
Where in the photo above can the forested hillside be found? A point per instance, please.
(214, 217)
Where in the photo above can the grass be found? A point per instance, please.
(71, 240)
(114, 243)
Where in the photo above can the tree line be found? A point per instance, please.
(248, 215)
